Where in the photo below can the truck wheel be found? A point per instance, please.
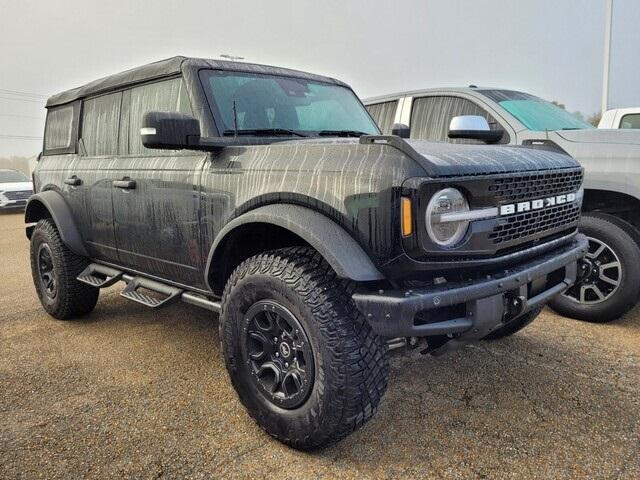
(612, 284)
(301, 357)
(54, 269)
(514, 325)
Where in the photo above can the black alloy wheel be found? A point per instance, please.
(279, 354)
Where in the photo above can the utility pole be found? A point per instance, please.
(607, 56)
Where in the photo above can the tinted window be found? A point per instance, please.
(384, 113)
(270, 101)
(59, 128)
(534, 113)
(431, 116)
(100, 121)
(630, 121)
(166, 96)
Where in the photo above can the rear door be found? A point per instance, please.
(91, 189)
(156, 193)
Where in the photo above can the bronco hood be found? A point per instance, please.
(445, 159)
(599, 135)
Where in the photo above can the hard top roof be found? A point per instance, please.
(172, 66)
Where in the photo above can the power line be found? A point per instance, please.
(23, 94)
(20, 137)
(21, 116)
(23, 99)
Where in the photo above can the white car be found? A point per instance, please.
(15, 189)
(621, 118)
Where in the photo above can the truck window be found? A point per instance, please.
(166, 96)
(58, 132)
(430, 118)
(264, 102)
(631, 120)
(100, 122)
(384, 113)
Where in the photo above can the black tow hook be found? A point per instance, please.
(514, 306)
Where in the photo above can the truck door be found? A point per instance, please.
(156, 193)
(90, 179)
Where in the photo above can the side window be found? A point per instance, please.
(430, 118)
(631, 120)
(61, 129)
(100, 122)
(166, 96)
(384, 113)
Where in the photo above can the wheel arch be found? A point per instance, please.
(51, 204)
(619, 205)
(284, 225)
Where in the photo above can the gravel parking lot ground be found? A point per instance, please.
(131, 392)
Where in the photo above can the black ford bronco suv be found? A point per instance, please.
(269, 196)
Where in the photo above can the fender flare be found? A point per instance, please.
(59, 210)
(337, 247)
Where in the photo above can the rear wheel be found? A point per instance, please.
(302, 359)
(611, 283)
(54, 269)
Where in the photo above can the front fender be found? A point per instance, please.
(337, 247)
(51, 204)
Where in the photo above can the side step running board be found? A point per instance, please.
(99, 276)
(167, 293)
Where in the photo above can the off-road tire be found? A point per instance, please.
(351, 369)
(620, 239)
(514, 326)
(72, 298)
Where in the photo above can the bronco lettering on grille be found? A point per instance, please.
(537, 204)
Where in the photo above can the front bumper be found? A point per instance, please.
(471, 310)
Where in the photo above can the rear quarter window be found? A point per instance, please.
(61, 129)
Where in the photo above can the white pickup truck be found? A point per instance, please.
(621, 118)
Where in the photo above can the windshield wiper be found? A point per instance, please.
(263, 131)
(341, 133)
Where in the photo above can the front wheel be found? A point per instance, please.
(301, 357)
(611, 282)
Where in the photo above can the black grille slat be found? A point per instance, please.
(544, 184)
(522, 226)
(21, 195)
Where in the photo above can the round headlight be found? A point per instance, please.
(442, 228)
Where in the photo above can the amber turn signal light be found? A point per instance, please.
(407, 217)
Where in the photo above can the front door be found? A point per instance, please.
(156, 194)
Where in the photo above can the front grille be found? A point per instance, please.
(520, 226)
(536, 185)
(22, 195)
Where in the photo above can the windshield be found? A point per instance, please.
(283, 105)
(534, 113)
(8, 176)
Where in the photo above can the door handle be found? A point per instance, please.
(73, 181)
(126, 184)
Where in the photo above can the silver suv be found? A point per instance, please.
(15, 189)
(611, 158)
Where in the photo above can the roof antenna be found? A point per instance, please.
(235, 120)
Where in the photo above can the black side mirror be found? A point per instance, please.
(169, 130)
(401, 130)
(474, 127)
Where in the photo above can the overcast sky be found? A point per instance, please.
(549, 48)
